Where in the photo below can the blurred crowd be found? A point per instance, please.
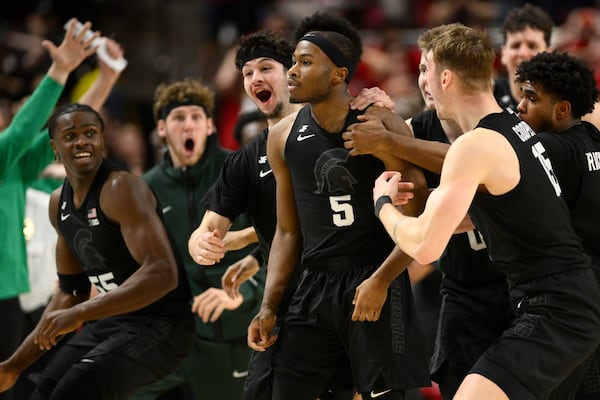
(165, 41)
(168, 41)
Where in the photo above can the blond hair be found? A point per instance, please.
(468, 52)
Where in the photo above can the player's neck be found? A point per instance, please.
(81, 185)
(565, 124)
(473, 108)
(288, 109)
(451, 129)
(331, 114)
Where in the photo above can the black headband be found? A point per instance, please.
(331, 51)
(188, 101)
(268, 52)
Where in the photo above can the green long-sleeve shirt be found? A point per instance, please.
(24, 153)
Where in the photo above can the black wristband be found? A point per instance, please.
(381, 200)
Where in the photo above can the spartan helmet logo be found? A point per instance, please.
(330, 170)
(88, 254)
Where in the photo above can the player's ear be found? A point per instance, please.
(340, 74)
(562, 109)
(446, 77)
(161, 128)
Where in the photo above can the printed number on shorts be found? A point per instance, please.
(476, 240)
(538, 151)
(343, 213)
(104, 282)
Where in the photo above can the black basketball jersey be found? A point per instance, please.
(575, 156)
(101, 250)
(528, 229)
(465, 258)
(503, 95)
(334, 196)
(246, 184)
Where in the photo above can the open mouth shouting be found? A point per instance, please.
(263, 95)
(189, 146)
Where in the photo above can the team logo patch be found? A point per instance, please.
(331, 175)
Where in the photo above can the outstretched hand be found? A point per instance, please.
(210, 304)
(389, 184)
(71, 52)
(237, 274)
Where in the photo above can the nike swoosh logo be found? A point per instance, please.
(378, 394)
(64, 217)
(166, 209)
(239, 374)
(262, 173)
(301, 138)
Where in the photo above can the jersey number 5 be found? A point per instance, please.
(343, 214)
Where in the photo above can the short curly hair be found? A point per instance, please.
(184, 91)
(264, 42)
(564, 77)
(338, 30)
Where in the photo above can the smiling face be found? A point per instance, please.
(78, 142)
(186, 129)
(265, 83)
(521, 46)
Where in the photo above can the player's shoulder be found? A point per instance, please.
(124, 185)
(479, 141)
(282, 128)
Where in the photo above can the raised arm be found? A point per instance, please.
(98, 92)
(40, 152)
(32, 116)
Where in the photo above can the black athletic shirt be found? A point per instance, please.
(334, 197)
(466, 258)
(100, 248)
(503, 95)
(527, 230)
(246, 184)
(575, 155)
